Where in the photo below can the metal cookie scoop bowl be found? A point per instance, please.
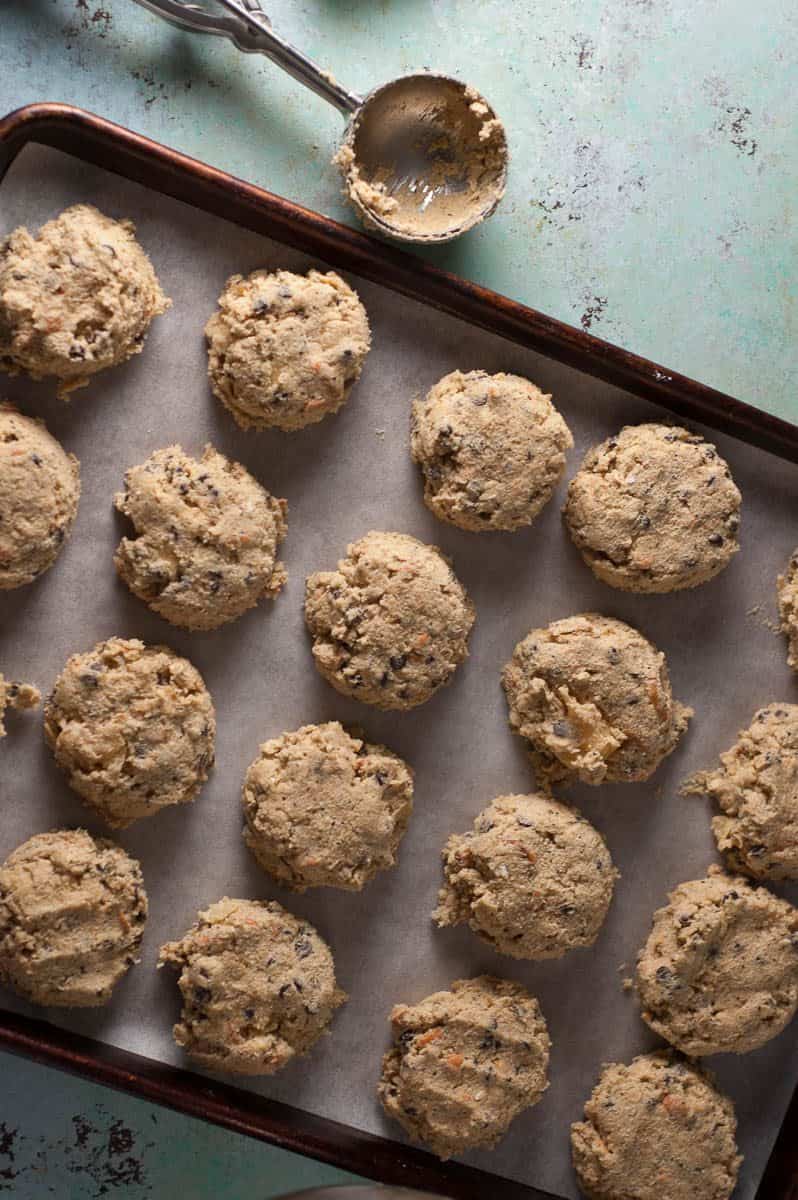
(424, 157)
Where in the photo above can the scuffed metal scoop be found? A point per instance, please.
(424, 157)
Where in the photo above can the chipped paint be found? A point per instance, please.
(97, 21)
(584, 48)
(99, 1156)
(71, 1140)
(594, 307)
(8, 1172)
(735, 124)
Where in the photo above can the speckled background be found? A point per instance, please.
(654, 146)
(651, 200)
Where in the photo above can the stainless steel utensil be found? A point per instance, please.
(424, 157)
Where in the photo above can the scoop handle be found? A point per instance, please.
(248, 27)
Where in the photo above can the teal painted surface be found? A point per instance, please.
(652, 200)
(69, 1140)
(654, 175)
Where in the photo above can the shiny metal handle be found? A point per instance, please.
(248, 27)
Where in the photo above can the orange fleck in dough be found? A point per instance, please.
(658, 1127)
(465, 1063)
(258, 987)
(592, 699)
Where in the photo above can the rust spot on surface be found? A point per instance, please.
(102, 1154)
(593, 311)
(153, 88)
(733, 120)
(584, 49)
(8, 1139)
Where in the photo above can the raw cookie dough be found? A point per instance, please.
(39, 494)
(207, 537)
(326, 809)
(719, 972)
(465, 1063)
(654, 509)
(75, 299)
(72, 913)
(756, 788)
(592, 698)
(658, 1129)
(16, 695)
(258, 987)
(132, 727)
(787, 589)
(491, 448)
(391, 624)
(284, 350)
(534, 878)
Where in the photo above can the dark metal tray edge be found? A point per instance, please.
(117, 149)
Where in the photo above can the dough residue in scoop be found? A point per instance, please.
(425, 159)
(390, 626)
(72, 914)
(656, 1129)
(465, 1063)
(756, 788)
(258, 987)
(532, 878)
(75, 299)
(719, 971)
(207, 537)
(592, 699)
(39, 494)
(285, 350)
(132, 727)
(326, 809)
(372, 196)
(491, 448)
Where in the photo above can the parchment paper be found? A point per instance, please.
(343, 477)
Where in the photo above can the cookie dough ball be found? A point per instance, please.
(39, 494)
(592, 698)
(258, 987)
(326, 809)
(756, 788)
(75, 299)
(719, 972)
(132, 727)
(72, 913)
(391, 625)
(491, 449)
(533, 878)
(654, 509)
(465, 1063)
(207, 537)
(657, 1128)
(284, 350)
(787, 591)
(18, 696)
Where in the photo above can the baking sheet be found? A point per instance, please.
(343, 477)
